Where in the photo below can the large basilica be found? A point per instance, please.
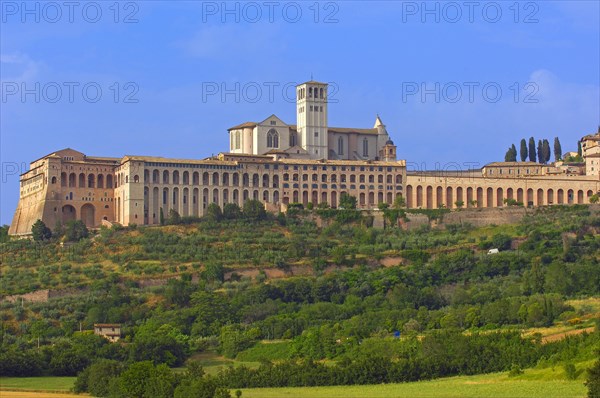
(278, 164)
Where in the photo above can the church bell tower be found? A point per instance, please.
(311, 117)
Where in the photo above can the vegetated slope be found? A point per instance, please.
(448, 308)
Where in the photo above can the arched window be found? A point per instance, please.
(293, 138)
(272, 139)
(340, 145)
(365, 147)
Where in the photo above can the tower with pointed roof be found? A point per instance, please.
(311, 117)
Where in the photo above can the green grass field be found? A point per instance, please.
(492, 386)
(533, 383)
(37, 383)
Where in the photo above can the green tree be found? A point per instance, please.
(174, 217)
(594, 198)
(96, 378)
(511, 154)
(523, 150)
(540, 151)
(579, 151)
(40, 231)
(162, 216)
(532, 153)
(546, 149)
(347, 201)
(593, 379)
(4, 234)
(231, 211)
(557, 150)
(213, 212)
(75, 230)
(254, 210)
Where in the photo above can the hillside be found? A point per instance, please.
(291, 303)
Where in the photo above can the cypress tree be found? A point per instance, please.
(557, 150)
(532, 155)
(523, 150)
(579, 153)
(546, 146)
(540, 151)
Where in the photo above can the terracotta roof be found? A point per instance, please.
(243, 125)
(514, 164)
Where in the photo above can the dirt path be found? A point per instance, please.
(32, 394)
(562, 335)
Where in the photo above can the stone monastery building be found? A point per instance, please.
(279, 164)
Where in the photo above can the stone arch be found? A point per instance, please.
(469, 197)
(389, 198)
(520, 197)
(409, 196)
(429, 197)
(136, 178)
(165, 179)
(419, 196)
(275, 181)
(489, 197)
(276, 197)
(560, 196)
(479, 197)
(109, 181)
(225, 179)
(245, 180)
(215, 196)
(68, 213)
(185, 199)
(205, 178)
(460, 195)
(155, 205)
(529, 197)
(334, 199)
(155, 176)
(255, 180)
(88, 215)
(449, 198)
(580, 197)
(509, 194)
(215, 179)
(540, 197)
(570, 196)
(195, 201)
(176, 199)
(362, 199)
(205, 199)
(72, 180)
(245, 196)
(272, 139)
(439, 198)
(186, 178)
(265, 181)
(81, 180)
(225, 196)
(196, 178)
(255, 194)
(550, 196)
(499, 197)
(324, 197)
(100, 182)
(146, 176)
(265, 196)
(235, 196)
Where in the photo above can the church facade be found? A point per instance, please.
(278, 164)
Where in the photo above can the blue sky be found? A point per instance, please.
(432, 71)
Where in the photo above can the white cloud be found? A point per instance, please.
(18, 67)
